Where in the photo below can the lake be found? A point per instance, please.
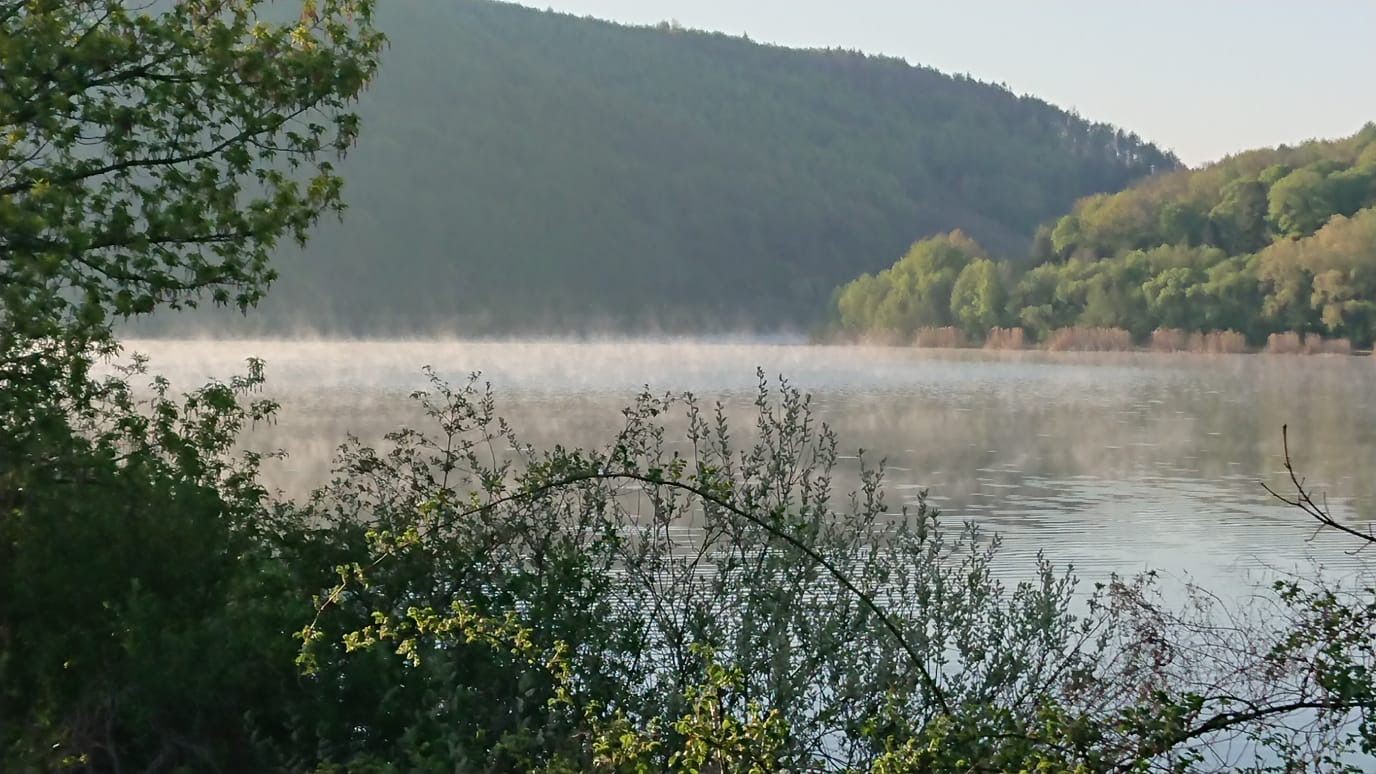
(1111, 462)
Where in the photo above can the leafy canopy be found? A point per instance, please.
(150, 158)
(1261, 243)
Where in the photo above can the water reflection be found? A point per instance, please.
(1112, 462)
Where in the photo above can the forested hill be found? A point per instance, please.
(521, 169)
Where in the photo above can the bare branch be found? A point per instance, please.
(1305, 501)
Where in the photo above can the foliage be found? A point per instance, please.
(1261, 243)
(138, 581)
(463, 601)
(148, 157)
(917, 291)
(780, 632)
(978, 297)
(767, 580)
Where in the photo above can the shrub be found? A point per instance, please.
(531, 613)
(772, 579)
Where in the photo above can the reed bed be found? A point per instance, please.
(1169, 340)
(1318, 345)
(1289, 343)
(878, 339)
(948, 337)
(1081, 339)
(1204, 343)
(1218, 343)
(1091, 339)
(1006, 338)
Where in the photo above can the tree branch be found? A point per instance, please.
(1305, 501)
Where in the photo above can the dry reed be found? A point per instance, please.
(1218, 343)
(1169, 340)
(1291, 343)
(948, 337)
(1006, 338)
(1079, 339)
(1288, 343)
(1315, 344)
(878, 338)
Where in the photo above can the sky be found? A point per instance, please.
(1203, 78)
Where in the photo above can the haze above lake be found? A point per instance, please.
(1119, 462)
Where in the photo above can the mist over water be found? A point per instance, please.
(1112, 462)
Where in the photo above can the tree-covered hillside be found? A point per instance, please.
(1264, 242)
(525, 170)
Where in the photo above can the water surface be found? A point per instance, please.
(1118, 462)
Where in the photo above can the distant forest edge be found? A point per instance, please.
(529, 171)
(1270, 248)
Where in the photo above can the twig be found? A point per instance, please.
(1305, 502)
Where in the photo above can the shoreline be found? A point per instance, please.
(131, 343)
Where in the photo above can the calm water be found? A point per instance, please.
(1117, 462)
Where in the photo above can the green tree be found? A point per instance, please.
(1238, 222)
(1341, 258)
(1042, 249)
(1353, 189)
(1287, 288)
(1230, 298)
(1169, 298)
(152, 156)
(1066, 236)
(1274, 173)
(1300, 202)
(978, 298)
(913, 293)
(1367, 159)
(1181, 223)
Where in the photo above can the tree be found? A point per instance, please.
(1066, 235)
(913, 293)
(150, 159)
(150, 156)
(1169, 300)
(1180, 223)
(1042, 249)
(1342, 259)
(1299, 203)
(978, 297)
(1238, 221)
(1230, 298)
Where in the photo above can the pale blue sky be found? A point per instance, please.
(1202, 77)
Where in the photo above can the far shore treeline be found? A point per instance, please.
(1272, 248)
